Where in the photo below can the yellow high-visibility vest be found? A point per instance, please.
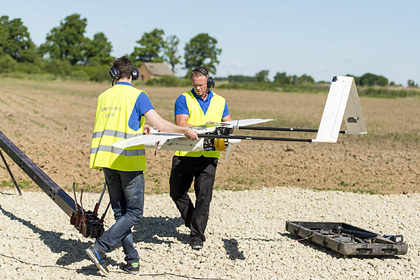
(113, 112)
(196, 117)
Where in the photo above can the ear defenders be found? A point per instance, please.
(115, 73)
(210, 81)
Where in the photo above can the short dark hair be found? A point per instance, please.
(199, 71)
(125, 66)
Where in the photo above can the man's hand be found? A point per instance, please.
(191, 134)
(147, 129)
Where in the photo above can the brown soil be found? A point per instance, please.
(52, 123)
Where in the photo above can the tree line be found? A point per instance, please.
(282, 79)
(67, 51)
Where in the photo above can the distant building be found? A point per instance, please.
(150, 70)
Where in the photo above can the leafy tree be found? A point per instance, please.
(151, 47)
(305, 79)
(282, 79)
(98, 50)
(15, 40)
(171, 51)
(382, 81)
(262, 76)
(202, 51)
(356, 79)
(411, 83)
(67, 42)
(370, 79)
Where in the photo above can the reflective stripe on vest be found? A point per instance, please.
(119, 134)
(114, 108)
(119, 151)
(196, 117)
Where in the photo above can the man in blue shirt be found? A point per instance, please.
(198, 106)
(120, 114)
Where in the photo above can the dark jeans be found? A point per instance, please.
(203, 170)
(126, 193)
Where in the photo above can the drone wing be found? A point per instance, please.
(246, 122)
(145, 139)
(157, 137)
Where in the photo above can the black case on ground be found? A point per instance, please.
(347, 239)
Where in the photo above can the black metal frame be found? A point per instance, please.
(87, 223)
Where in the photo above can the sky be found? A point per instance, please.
(317, 38)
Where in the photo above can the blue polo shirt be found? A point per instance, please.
(182, 108)
(142, 106)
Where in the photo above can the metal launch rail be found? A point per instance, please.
(86, 222)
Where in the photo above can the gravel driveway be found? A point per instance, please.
(246, 237)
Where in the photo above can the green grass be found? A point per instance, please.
(241, 180)
(358, 190)
(95, 188)
(22, 184)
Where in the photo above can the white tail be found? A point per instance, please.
(342, 101)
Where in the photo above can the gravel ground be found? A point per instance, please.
(246, 237)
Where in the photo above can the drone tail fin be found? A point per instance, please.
(342, 101)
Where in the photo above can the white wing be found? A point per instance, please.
(159, 139)
(246, 122)
(145, 139)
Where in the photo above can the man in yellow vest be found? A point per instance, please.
(196, 107)
(120, 114)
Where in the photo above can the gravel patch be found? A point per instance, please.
(246, 237)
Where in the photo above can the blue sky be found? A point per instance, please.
(318, 38)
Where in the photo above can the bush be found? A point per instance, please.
(100, 75)
(79, 75)
(387, 92)
(58, 67)
(28, 68)
(7, 64)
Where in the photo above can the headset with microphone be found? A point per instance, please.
(210, 81)
(115, 73)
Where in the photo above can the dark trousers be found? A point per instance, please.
(126, 193)
(203, 171)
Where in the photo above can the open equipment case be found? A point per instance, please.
(347, 239)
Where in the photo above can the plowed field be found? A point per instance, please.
(52, 122)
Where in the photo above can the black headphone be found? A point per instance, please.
(210, 81)
(115, 73)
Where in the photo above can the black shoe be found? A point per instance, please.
(132, 268)
(98, 258)
(197, 244)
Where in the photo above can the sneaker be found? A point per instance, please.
(197, 244)
(98, 258)
(132, 268)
